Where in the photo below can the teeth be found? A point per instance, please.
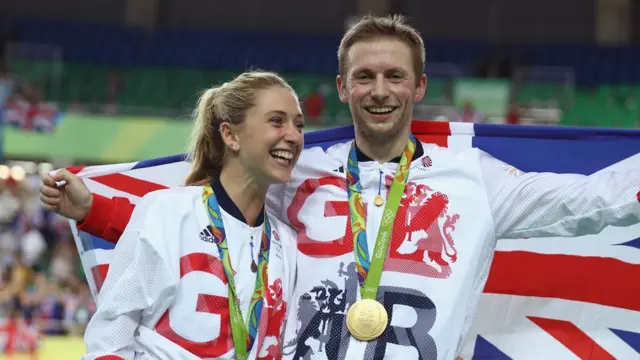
(380, 110)
(283, 154)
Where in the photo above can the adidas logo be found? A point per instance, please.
(206, 235)
(340, 170)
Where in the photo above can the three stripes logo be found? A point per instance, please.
(206, 235)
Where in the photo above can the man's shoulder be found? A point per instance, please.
(167, 209)
(452, 150)
(317, 159)
(333, 150)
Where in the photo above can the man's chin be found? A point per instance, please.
(380, 130)
(381, 127)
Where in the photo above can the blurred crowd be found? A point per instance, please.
(42, 282)
(23, 104)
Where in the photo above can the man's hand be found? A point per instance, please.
(71, 200)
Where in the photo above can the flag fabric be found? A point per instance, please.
(560, 298)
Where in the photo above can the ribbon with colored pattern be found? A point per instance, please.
(369, 272)
(244, 335)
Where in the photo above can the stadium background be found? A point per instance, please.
(115, 80)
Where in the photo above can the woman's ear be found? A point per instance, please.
(229, 136)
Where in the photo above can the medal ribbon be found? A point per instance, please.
(369, 272)
(244, 335)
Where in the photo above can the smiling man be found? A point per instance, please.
(396, 236)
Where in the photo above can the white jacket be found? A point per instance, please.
(165, 295)
(455, 206)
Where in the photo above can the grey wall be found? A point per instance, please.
(504, 20)
(92, 10)
(296, 15)
(498, 20)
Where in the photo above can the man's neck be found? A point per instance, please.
(243, 190)
(382, 151)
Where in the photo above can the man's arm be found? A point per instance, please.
(107, 218)
(548, 204)
(66, 194)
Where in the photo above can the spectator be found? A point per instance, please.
(33, 245)
(63, 260)
(6, 84)
(514, 115)
(470, 114)
(19, 279)
(314, 106)
(78, 306)
(114, 88)
(51, 311)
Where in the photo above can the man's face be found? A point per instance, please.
(381, 87)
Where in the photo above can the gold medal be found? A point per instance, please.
(378, 200)
(367, 319)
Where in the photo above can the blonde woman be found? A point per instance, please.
(202, 271)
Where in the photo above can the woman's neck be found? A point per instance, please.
(244, 191)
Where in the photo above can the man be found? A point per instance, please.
(415, 298)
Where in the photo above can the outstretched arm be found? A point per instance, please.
(107, 218)
(66, 194)
(548, 204)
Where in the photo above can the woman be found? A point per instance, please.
(202, 271)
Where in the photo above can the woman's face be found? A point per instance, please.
(270, 139)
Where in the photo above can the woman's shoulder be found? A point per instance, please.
(171, 195)
(168, 202)
(162, 214)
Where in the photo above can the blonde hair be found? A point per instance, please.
(228, 102)
(371, 27)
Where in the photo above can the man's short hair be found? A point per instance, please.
(371, 27)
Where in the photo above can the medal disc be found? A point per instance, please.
(378, 200)
(367, 319)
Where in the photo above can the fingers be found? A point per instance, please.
(49, 203)
(49, 191)
(65, 175)
(47, 180)
(49, 195)
(50, 208)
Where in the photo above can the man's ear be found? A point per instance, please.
(341, 86)
(421, 89)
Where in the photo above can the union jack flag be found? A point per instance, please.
(545, 298)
